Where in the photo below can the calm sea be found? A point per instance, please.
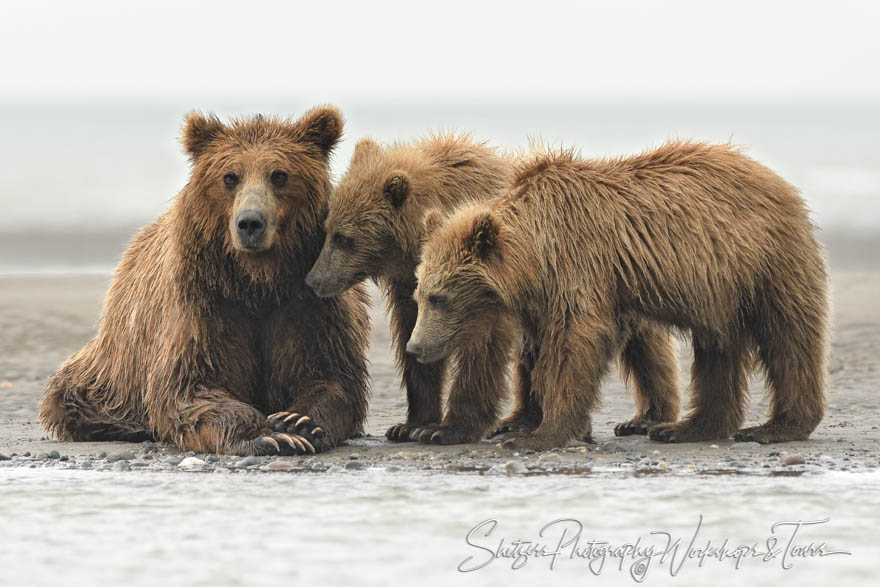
(80, 171)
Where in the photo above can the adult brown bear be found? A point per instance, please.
(582, 254)
(208, 325)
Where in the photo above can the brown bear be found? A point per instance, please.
(208, 325)
(582, 253)
(375, 230)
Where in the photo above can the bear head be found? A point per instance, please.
(368, 223)
(258, 189)
(459, 293)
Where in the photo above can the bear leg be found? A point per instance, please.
(478, 386)
(792, 350)
(566, 380)
(423, 382)
(69, 412)
(211, 420)
(526, 414)
(648, 360)
(718, 394)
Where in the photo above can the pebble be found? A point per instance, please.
(248, 462)
(212, 458)
(355, 465)
(222, 470)
(173, 461)
(794, 459)
(508, 468)
(121, 465)
(549, 457)
(85, 465)
(191, 463)
(54, 454)
(662, 466)
(335, 469)
(3, 457)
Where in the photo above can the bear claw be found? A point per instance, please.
(634, 426)
(401, 433)
(305, 436)
(272, 441)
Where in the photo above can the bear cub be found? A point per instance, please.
(375, 230)
(584, 255)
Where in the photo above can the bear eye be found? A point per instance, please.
(436, 300)
(279, 179)
(340, 241)
(230, 180)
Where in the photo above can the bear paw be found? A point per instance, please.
(401, 433)
(683, 431)
(634, 426)
(768, 433)
(280, 444)
(441, 434)
(298, 426)
(512, 425)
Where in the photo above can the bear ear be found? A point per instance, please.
(365, 148)
(321, 127)
(483, 237)
(396, 188)
(198, 132)
(433, 221)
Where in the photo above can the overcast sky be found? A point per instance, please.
(692, 51)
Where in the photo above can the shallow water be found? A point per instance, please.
(367, 527)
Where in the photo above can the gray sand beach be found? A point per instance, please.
(138, 499)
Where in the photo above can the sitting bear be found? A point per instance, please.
(208, 325)
(375, 230)
(583, 253)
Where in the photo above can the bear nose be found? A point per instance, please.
(413, 348)
(313, 281)
(251, 226)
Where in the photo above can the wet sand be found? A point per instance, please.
(45, 318)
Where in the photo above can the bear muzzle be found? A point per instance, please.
(251, 228)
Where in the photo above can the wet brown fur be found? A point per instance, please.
(199, 340)
(380, 205)
(690, 236)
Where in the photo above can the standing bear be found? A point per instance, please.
(375, 230)
(582, 253)
(208, 325)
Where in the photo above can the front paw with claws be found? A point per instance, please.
(442, 434)
(281, 444)
(300, 428)
(401, 433)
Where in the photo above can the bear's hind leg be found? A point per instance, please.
(794, 362)
(648, 360)
(71, 413)
(718, 394)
